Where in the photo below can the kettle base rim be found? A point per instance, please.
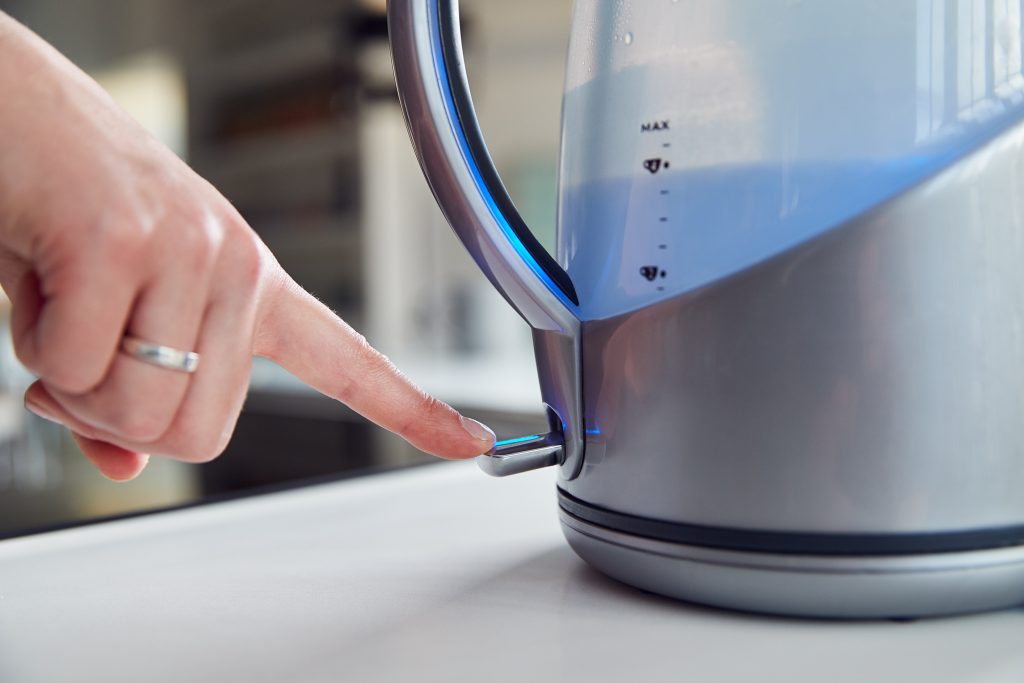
(831, 587)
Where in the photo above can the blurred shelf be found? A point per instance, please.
(341, 242)
(304, 51)
(230, 26)
(340, 229)
(280, 152)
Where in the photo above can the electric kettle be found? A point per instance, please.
(781, 343)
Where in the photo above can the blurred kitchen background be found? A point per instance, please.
(290, 109)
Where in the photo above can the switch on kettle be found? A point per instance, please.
(522, 454)
(525, 453)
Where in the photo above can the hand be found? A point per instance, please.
(105, 232)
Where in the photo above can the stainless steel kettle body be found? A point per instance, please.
(836, 432)
(836, 429)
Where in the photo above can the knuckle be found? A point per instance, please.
(431, 410)
(248, 259)
(199, 456)
(196, 242)
(237, 234)
(121, 241)
(205, 448)
(140, 426)
(71, 378)
(200, 443)
(424, 419)
(25, 352)
(376, 363)
(374, 368)
(347, 391)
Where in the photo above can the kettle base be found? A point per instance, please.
(835, 587)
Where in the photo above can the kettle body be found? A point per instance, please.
(782, 340)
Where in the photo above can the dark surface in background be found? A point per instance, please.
(69, 521)
(270, 448)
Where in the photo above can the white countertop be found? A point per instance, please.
(432, 574)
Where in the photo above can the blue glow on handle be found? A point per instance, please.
(521, 439)
(481, 186)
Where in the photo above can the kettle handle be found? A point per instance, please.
(426, 52)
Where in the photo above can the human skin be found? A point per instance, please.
(105, 232)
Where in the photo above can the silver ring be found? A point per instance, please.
(161, 356)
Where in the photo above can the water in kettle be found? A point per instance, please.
(722, 133)
(629, 241)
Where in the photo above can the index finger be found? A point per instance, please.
(305, 337)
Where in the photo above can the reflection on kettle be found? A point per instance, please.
(782, 339)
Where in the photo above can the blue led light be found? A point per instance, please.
(474, 170)
(521, 439)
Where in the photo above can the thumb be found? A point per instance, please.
(305, 337)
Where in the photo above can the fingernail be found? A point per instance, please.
(41, 411)
(477, 430)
